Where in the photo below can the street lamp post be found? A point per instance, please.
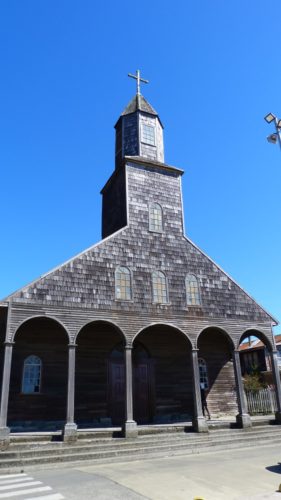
(276, 136)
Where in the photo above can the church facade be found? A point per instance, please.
(127, 332)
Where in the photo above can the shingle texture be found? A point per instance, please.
(87, 281)
(139, 103)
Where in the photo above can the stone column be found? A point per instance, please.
(4, 430)
(243, 418)
(199, 421)
(276, 380)
(130, 427)
(70, 428)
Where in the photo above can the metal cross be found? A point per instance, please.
(139, 79)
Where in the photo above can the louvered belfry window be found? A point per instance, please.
(155, 218)
(159, 287)
(192, 290)
(148, 135)
(123, 284)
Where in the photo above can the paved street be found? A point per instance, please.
(248, 475)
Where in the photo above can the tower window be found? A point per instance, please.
(203, 373)
(155, 218)
(192, 291)
(123, 284)
(31, 379)
(148, 135)
(159, 287)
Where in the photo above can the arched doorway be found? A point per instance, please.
(3, 320)
(255, 352)
(217, 371)
(100, 376)
(38, 385)
(162, 374)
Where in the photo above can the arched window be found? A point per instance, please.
(123, 285)
(31, 380)
(192, 291)
(159, 287)
(155, 218)
(203, 373)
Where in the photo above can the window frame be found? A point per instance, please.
(144, 135)
(24, 373)
(131, 284)
(150, 208)
(153, 288)
(205, 381)
(189, 294)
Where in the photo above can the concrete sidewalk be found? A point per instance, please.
(240, 474)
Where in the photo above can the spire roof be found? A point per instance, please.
(139, 103)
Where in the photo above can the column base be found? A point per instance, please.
(200, 424)
(4, 438)
(278, 417)
(243, 420)
(130, 429)
(70, 433)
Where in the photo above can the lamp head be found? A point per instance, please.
(270, 117)
(272, 138)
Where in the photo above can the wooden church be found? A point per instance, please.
(128, 331)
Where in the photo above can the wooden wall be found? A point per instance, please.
(215, 349)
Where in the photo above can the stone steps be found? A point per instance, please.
(22, 455)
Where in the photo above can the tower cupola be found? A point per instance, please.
(139, 131)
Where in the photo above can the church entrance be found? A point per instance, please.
(116, 385)
(142, 385)
(162, 376)
(142, 382)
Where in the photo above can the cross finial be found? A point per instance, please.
(139, 79)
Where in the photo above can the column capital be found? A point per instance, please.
(8, 343)
(274, 351)
(72, 346)
(129, 347)
(194, 349)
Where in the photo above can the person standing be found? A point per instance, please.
(205, 408)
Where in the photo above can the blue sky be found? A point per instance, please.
(214, 72)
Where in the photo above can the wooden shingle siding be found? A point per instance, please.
(88, 280)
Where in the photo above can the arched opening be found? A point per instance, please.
(42, 406)
(256, 369)
(100, 376)
(3, 321)
(215, 348)
(162, 374)
(254, 349)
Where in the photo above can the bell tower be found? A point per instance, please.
(139, 131)
(139, 141)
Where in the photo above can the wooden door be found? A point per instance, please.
(117, 392)
(142, 400)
